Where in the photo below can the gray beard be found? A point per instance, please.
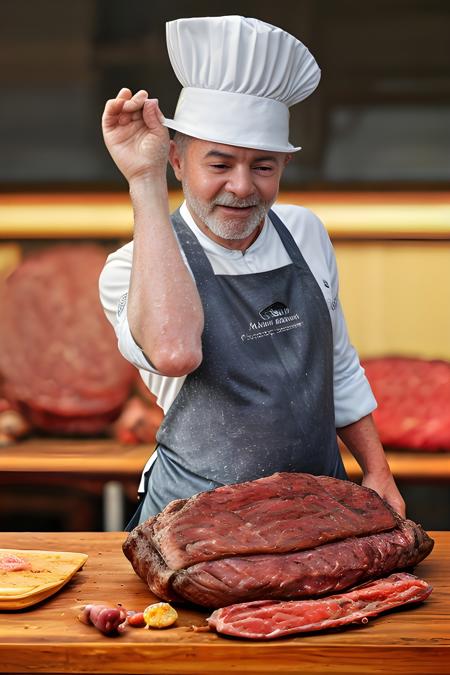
(228, 228)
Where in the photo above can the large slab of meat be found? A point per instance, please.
(58, 353)
(413, 398)
(287, 536)
(266, 620)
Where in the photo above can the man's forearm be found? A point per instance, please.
(165, 313)
(361, 438)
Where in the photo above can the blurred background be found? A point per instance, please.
(374, 166)
(380, 118)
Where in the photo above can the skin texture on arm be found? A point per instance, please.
(361, 438)
(164, 309)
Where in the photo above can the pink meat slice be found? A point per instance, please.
(12, 563)
(266, 620)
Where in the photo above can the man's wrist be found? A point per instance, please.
(381, 472)
(149, 182)
(149, 192)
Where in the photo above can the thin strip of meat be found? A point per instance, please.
(266, 620)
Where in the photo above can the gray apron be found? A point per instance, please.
(261, 401)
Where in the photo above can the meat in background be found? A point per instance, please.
(13, 425)
(413, 398)
(61, 371)
(58, 354)
(139, 420)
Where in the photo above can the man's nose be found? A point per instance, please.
(240, 182)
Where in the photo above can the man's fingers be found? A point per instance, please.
(126, 108)
(124, 96)
(124, 93)
(136, 102)
(153, 117)
(116, 106)
(111, 113)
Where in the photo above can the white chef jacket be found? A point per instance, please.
(353, 396)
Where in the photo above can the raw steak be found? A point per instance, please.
(266, 620)
(413, 402)
(283, 512)
(58, 353)
(281, 537)
(318, 571)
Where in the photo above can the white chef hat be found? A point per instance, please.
(239, 78)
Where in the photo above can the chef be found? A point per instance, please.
(229, 308)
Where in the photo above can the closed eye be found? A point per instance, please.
(219, 166)
(264, 169)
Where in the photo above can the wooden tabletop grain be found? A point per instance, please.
(48, 638)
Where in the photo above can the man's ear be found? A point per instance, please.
(176, 160)
(287, 158)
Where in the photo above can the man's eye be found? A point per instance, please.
(264, 169)
(219, 166)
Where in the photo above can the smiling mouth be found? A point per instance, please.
(237, 208)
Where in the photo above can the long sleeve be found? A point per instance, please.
(113, 289)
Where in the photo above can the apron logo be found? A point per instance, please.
(276, 318)
(275, 310)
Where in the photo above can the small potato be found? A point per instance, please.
(160, 615)
(136, 620)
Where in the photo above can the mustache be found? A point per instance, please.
(229, 200)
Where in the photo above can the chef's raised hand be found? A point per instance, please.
(134, 134)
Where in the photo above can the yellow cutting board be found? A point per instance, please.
(50, 570)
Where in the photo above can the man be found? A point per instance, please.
(230, 310)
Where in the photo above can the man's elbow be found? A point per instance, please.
(176, 362)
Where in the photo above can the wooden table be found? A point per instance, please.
(49, 639)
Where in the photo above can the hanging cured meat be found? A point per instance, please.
(58, 353)
(413, 398)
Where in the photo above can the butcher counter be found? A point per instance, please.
(48, 638)
(104, 466)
